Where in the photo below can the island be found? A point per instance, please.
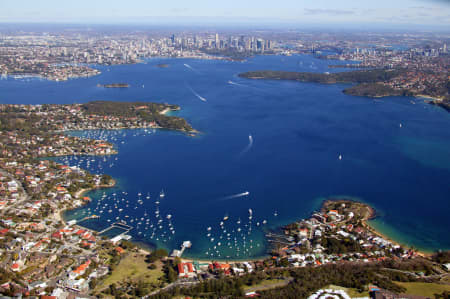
(369, 83)
(114, 85)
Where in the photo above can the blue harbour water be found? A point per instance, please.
(290, 163)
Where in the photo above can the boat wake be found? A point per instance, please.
(246, 193)
(191, 68)
(249, 146)
(196, 94)
(237, 84)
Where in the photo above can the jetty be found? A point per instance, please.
(179, 253)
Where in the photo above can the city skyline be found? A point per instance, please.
(285, 12)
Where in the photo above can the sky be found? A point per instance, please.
(417, 12)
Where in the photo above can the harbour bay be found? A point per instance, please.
(298, 131)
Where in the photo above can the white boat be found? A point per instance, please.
(162, 194)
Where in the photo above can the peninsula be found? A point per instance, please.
(334, 247)
(370, 83)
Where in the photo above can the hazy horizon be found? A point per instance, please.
(286, 13)
(187, 25)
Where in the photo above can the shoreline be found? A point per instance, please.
(373, 230)
(427, 97)
(365, 223)
(78, 194)
(378, 233)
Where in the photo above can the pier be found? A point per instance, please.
(179, 253)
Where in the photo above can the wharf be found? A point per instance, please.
(179, 253)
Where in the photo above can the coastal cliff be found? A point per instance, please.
(375, 90)
(442, 103)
